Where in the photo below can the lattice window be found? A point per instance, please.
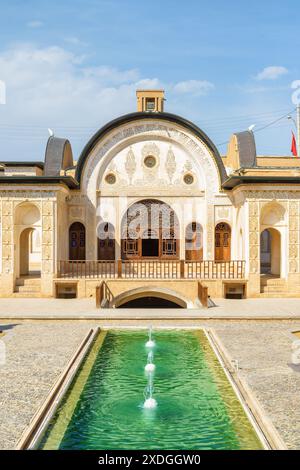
(131, 247)
(169, 247)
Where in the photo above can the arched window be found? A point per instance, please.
(106, 241)
(150, 229)
(222, 242)
(194, 242)
(77, 241)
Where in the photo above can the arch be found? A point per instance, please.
(27, 235)
(222, 242)
(106, 241)
(150, 291)
(77, 241)
(29, 253)
(58, 156)
(272, 214)
(194, 242)
(270, 252)
(150, 229)
(154, 116)
(27, 213)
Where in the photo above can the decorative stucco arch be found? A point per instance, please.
(121, 133)
(133, 117)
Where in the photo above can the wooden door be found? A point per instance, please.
(222, 242)
(106, 242)
(77, 241)
(194, 242)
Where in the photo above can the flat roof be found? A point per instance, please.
(68, 181)
(25, 163)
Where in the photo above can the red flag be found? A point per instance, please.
(294, 145)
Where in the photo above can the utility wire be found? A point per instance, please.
(265, 126)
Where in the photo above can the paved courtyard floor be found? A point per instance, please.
(85, 308)
(38, 350)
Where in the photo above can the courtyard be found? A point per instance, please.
(39, 346)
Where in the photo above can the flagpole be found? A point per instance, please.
(298, 129)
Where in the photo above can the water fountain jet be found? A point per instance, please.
(149, 402)
(150, 343)
(150, 367)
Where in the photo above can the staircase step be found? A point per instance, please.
(274, 289)
(24, 281)
(28, 288)
(26, 295)
(279, 295)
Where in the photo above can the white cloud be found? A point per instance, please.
(35, 24)
(271, 73)
(75, 41)
(196, 87)
(53, 87)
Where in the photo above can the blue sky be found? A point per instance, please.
(74, 65)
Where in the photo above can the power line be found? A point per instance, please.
(266, 126)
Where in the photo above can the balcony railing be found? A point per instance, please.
(151, 269)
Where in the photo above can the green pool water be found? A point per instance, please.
(196, 405)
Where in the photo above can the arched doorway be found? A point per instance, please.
(270, 252)
(150, 229)
(194, 242)
(77, 241)
(27, 228)
(106, 242)
(222, 242)
(30, 252)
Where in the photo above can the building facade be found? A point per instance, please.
(151, 209)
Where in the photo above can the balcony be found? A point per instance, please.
(151, 269)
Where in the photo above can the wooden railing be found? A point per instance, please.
(151, 269)
(103, 295)
(215, 270)
(203, 294)
(87, 269)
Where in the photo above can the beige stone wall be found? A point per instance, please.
(16, 206)
(249, 210)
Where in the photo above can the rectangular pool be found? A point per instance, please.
(197, 407)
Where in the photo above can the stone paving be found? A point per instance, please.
(36, 354)
(85, 308)
(38, 351)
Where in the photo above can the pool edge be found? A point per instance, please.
(47, 409)
(265, 429)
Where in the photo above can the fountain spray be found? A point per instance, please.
(149, 402)
(150, 343)
(150, 367)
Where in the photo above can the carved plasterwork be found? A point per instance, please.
(170, 164)
(294, 236)
(223, 213)
(48, 226)
(76, 212)
(150, 149)
(7, 236)
(254, 237)
(130, 164)
(105, 151)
